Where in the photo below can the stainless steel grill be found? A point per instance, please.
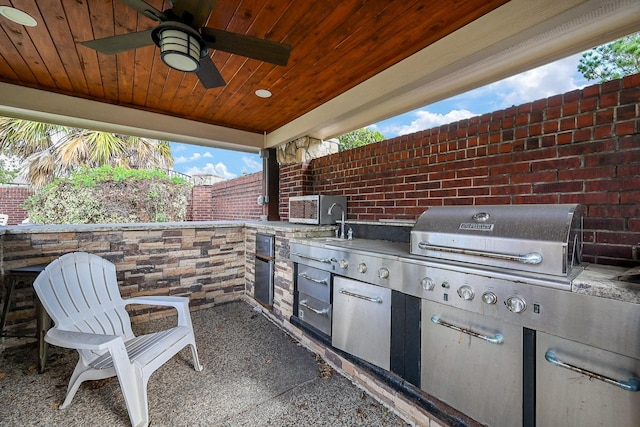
(544, 239)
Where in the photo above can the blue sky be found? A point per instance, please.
(197, 160)
(551, 79)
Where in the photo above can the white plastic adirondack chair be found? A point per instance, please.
(80, 293)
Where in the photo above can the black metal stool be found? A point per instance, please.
(43, 321)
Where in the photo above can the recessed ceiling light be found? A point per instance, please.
(263, 93)
(17, 16)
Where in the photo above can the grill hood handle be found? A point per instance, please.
(530, 258)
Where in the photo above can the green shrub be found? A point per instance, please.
(110, 195)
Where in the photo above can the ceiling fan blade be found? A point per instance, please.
(251, 47)
(146, 9)
(116, 44)
(208, 73)
(193, 12)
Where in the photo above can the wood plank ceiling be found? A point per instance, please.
(336, 44)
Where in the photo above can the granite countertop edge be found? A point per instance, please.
(604, 281)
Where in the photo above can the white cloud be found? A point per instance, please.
(542, 82)
(425, 120)
(193, 158)
(207, 154)
(219, 169)
(251, 165)
(180, 159)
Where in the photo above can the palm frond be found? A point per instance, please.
(52, 151)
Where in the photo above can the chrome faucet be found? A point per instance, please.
(342, 236)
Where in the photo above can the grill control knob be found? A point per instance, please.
(466, 293)
(383, 273)
(428, 284)
(516, 304)
(489, 298)
(362, 267)
(343, 263)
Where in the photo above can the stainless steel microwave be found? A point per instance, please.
(315, 209)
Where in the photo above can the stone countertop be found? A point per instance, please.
(604, 281)
(62, 228)
(270, 225)
(291, 227)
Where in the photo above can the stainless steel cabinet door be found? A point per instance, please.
(476, 368)
(569, 398)
(263, 287)
(362, 320)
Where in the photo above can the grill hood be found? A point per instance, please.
(544, 239)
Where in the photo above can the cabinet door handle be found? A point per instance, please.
(313, 279)
(496, 339)
(305, 304)
(377, 300)
(633, 384)
(322, 260)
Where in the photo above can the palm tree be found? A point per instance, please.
(50, 151)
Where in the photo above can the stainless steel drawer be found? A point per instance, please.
(315, 313)
(314, 282)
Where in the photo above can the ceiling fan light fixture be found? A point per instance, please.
(179, 49)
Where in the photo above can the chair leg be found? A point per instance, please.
(196, 361)
(74, 383)
(134, 388)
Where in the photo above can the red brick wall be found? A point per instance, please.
(11, 198)
(295, 180)
(237, 199)
(201, 204)
(579, 147)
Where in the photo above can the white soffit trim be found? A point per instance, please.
(38, 105)
(516, 37)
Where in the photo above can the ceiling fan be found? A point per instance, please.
(184, 42)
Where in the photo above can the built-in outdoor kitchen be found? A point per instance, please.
(484, 309)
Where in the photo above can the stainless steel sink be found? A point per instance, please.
(329, 239)
(377, 246)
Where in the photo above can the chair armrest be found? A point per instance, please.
(177, 302)
(181, 304)
(80, 340)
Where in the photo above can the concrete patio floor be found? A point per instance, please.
(255, 375)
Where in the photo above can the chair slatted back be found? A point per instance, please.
(80, 293)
